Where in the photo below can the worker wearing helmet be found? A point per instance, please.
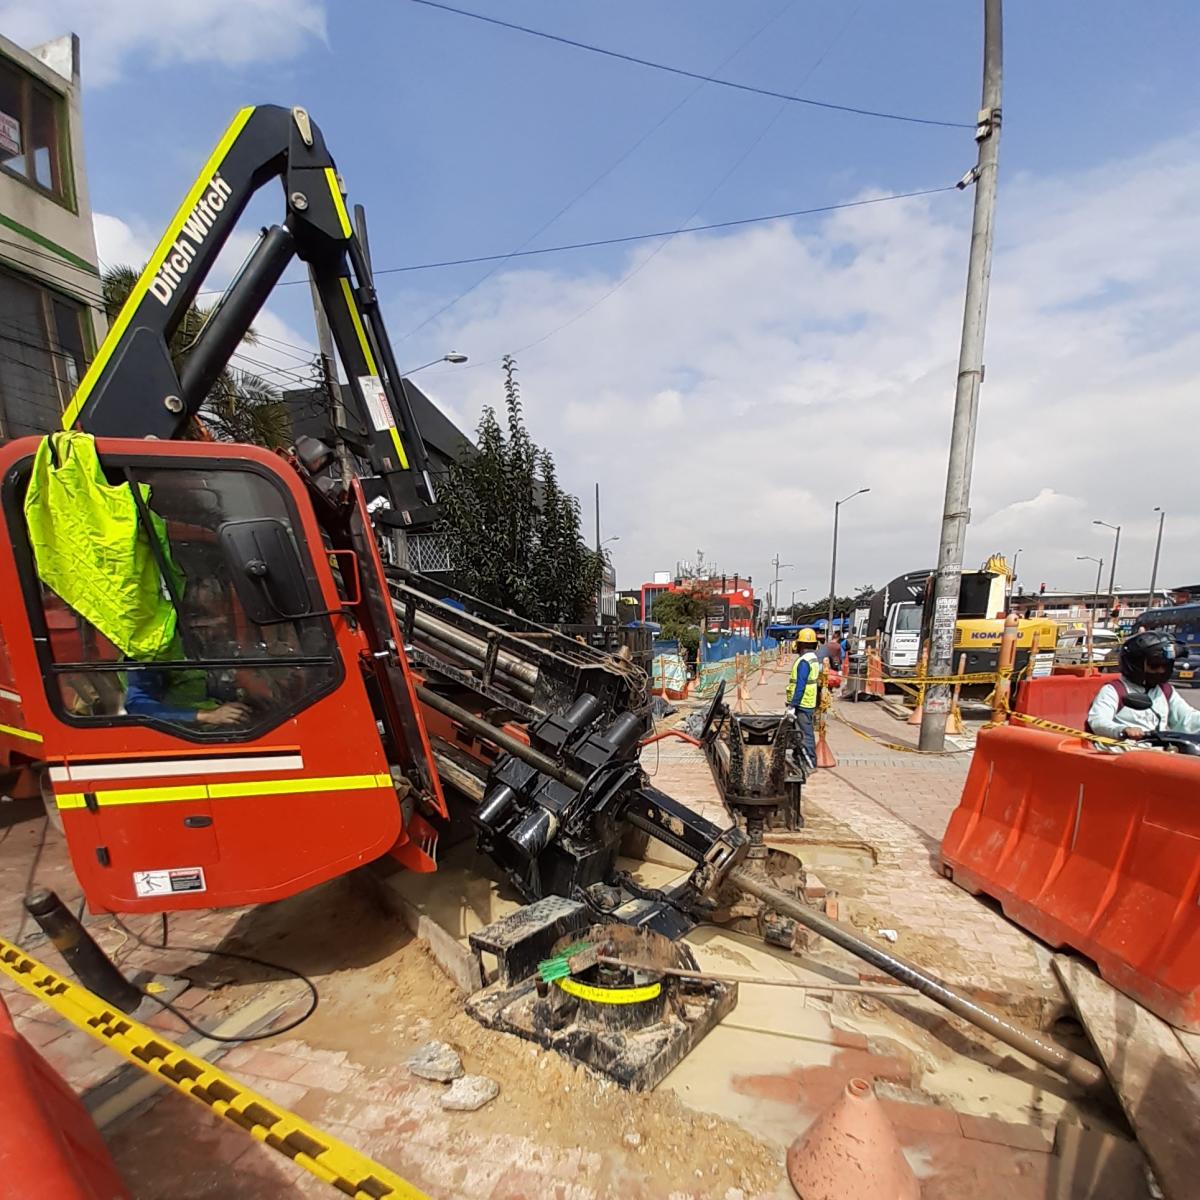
(802, 689)
(1146, 661)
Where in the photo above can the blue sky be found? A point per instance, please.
(729, 353)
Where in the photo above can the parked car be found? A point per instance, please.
(1072, 647)
(1187, 665)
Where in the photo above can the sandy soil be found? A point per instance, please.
(382, 994)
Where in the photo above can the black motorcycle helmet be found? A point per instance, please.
(1148, 658)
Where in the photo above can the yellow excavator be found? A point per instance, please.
(982, 605)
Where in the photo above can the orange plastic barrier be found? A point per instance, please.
(1074, 669)
(1064, 699)
(1099, 852)
(48, 1143)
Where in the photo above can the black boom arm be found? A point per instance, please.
(133, 387)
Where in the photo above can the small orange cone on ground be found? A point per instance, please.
(850, 1152)
(825, 756)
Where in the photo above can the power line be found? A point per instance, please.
(307, 352)
(264, 368)
(634, 237)
(602, 176)
(729, 83)
(659, 233)
(641, 266)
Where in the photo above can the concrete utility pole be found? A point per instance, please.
(1162, 516)
(329, 384)
(956, 512)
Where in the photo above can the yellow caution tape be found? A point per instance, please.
(341, 1166)
(899, 746)
(603, 995)
(1055, 727)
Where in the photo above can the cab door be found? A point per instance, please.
(240, 764)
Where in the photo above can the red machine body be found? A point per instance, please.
(166, 818)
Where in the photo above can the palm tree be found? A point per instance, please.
(241, 406)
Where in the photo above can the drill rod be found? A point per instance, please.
(1063, 1062)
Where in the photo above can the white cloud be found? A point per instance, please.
(726, 395)
(120, 34)
(118, 243)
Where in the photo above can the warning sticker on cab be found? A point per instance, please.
(377, 403)
(164, 883)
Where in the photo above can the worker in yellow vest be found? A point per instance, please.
(802, 689)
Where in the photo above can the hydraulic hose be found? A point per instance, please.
(1063, 1062)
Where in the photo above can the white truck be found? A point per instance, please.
(894, 621)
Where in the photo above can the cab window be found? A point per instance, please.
(225, 674)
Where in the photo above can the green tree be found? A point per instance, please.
(515, 532)
(241, 406)
(815, 610)
(680, 615)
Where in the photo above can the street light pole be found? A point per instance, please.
(452, 357)
(773, 590)
(1112, 574)
(833, 563)
(956, 511)
(1157, 547)
(1095, 597)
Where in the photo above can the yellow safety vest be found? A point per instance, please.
(89, 546)
(808, 698)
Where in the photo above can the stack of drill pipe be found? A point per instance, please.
(441, 637)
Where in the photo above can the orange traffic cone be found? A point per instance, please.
(850, 1152)
(825, 756)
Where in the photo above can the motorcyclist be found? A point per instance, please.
(1146, 662)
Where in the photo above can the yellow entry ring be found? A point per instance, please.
(603, 995)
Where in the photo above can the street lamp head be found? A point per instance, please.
(454, 357)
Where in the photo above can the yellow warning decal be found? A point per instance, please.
(183, 793)
(604, 995)
(27, 734)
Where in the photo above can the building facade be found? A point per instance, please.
(730, 606)
(1075, 608)
(51, 312)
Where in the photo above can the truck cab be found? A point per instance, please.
(900, 643)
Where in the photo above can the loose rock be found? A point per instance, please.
(470, 1093)
(436, 1061)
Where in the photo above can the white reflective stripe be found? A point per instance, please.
(5, 694)
(168, 768)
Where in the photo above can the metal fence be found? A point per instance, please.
(430, 553)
